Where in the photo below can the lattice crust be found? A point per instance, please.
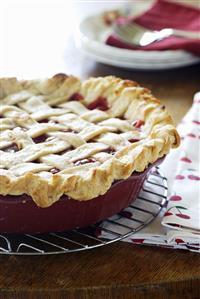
(61, 136)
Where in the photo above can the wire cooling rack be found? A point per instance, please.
(152, 198)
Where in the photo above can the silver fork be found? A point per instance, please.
(133, 33)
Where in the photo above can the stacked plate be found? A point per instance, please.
(90, 38)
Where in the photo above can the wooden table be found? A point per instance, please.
(120, 270)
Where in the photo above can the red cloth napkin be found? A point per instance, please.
(164, 14)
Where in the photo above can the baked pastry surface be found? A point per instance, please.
(63, 136)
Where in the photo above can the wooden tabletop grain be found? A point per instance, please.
(120, 270)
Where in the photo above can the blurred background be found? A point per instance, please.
(36, 35)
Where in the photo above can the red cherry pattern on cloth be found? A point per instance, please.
(186, 160)
(190, 177)
(168, 214)
(192, 135)
(186, 178)
(179, 241)
(184, 216)
(180, 214)
(179, 177)
(197, 122)
(138, 241)
(175, 198)
(193, 177)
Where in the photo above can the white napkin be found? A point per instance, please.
(178, 225)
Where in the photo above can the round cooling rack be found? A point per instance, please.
(152, 198)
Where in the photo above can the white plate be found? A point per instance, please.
(90, 38)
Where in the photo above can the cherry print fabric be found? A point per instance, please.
(178, 225)
(184, 200)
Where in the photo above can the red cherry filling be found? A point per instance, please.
(132, 140)
(45, 120)
(110, 150)
(54, 170)
(100, 103)
(138, 123)
(11, 148)
(76, 97)
(40, 138)
(84, 161)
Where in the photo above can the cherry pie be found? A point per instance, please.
(63, 136)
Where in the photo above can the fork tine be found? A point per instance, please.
(129, 28)
(133, 34)
(123, 30)
(132, 29)
(136, 26)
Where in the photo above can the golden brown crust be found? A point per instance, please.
(125, 99)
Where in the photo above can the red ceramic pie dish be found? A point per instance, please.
(19, 214)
